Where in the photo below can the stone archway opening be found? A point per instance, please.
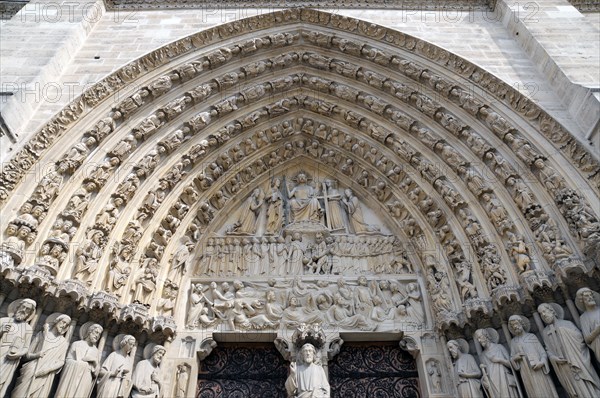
(371, 369)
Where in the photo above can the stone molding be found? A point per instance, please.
(453, 5)
(24, 159)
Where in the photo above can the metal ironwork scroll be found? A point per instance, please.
(373, 370)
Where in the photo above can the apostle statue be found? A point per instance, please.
(307, 378)
(81, 367)
(15, 336)
(497, 379)
(114, 378)
(588, 302)
(46, 358)
(146, 377)
(466, 370)
(304, 205)
(568, 353)
(529, 357)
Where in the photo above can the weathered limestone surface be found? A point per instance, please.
(299, 178)
(55, 76)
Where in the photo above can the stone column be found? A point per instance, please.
(433, 364)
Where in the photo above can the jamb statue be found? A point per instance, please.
(146, 378)
(15, 336)
(81, 366)
(588, 302)
(46, 358)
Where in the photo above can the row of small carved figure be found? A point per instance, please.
(79, 364)
(366, 306)
(278, 256)
(564, 349)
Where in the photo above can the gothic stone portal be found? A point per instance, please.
(258, 370)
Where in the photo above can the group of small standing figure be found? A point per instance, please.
(79, 365)
(566, 350)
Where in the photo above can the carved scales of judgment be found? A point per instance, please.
(315, 170)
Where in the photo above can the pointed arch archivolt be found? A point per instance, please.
(465, 143)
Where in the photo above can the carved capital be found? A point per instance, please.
(74, 288)
(205, 348)
(105, 301)
(284, 348)
(333, 347)
(410, 345)
(309, 333)
(476, 305)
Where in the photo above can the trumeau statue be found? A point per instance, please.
(588, 302)
(15, 336)
(114, 377)
(466, 370)
(82, 364)
(568, 353)
(497, 379)
(529, 357)
(146, 378)
(46, 358)
(307, 377)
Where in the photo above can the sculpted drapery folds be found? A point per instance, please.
(146, 380)
(588, 302)
(498, 379)
(275, 208)
(15, 336)
(114, 377)
(307, 378)
(568, 353)
(334, 210)
(466, 371)
(355, 213)
(529, 357)
(82, 364)
(304, 205)
(46, 358)
(247, 223)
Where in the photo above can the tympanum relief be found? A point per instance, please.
(302, 248)
(347, 304)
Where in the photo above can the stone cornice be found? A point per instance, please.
(451, 5)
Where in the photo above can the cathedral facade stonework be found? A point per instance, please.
(301, 203)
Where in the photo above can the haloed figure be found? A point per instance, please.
(81, 366)
(307, 378)
(46, 358)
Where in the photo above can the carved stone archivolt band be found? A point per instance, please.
(315, 168)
